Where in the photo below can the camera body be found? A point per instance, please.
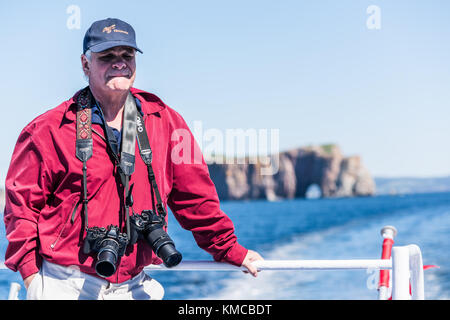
(150, 227)
(109, 244)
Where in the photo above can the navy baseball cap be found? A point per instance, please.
(108, 33)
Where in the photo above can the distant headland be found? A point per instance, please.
(323, 167)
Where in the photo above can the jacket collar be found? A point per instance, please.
(150, 103)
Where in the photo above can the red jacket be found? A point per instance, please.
(44, 183)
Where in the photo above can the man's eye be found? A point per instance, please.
(108, 57)
(128, 57)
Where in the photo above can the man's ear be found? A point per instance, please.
(85, 64)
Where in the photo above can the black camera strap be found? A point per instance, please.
(146, 155)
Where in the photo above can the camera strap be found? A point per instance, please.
(146, 155)
(83, 144)
(127, 158)
(128, 136)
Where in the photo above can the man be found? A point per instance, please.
(68, 177)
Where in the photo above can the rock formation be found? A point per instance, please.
(295, 171)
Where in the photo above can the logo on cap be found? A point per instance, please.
(113, 28)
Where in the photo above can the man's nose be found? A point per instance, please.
(119, 65)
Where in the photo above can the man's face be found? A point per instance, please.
(112, 69)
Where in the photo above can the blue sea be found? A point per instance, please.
(346, 228)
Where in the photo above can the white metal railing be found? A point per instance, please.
(278, 265)
(406, 265)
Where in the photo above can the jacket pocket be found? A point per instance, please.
(70, 216)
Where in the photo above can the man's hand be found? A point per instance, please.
(27, 280)
(249, 258)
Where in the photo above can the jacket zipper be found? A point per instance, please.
(52, 246)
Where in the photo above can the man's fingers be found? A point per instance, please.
(253, 270)
(247, 263)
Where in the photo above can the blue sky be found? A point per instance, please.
(312, 69)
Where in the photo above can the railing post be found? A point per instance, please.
(388, 233)
(400, 273)
(417, 278)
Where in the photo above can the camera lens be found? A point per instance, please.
(170, 256)
(164, 247)
(107, 258)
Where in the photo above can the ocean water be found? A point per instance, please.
(347, 228)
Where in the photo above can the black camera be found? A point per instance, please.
(109, 244)
(149, 226)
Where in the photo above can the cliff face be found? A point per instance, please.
(325, 166)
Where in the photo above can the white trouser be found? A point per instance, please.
(55, 282)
